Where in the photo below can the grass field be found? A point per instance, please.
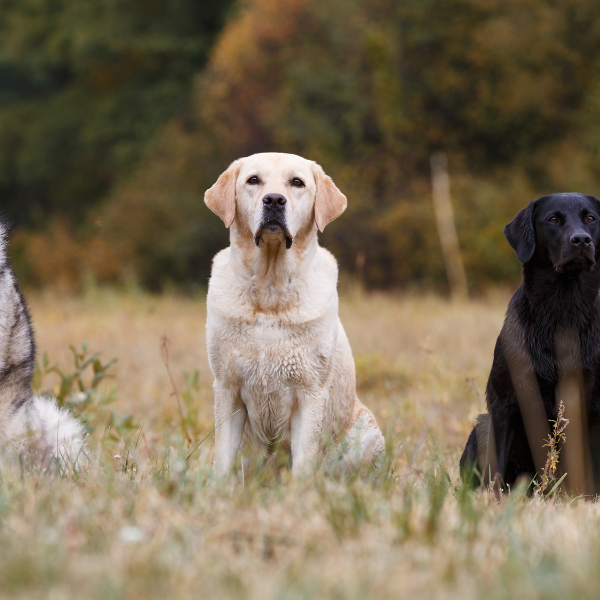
(142, 521)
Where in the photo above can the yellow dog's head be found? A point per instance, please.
(273, 196)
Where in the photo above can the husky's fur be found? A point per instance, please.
(31, 427)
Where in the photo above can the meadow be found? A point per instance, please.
(144, 518)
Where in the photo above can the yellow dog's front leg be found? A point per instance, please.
(230, 420)
(306, 429)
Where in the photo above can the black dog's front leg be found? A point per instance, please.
(504, 439)
(513, 452)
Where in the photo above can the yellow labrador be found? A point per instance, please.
(282, 363)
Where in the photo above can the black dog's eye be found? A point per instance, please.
(590, 218)
(297, 182)
(553, 219)
(254, 180)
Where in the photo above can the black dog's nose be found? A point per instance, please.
(580, 239)
(274, 200)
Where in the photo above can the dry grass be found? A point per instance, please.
(149, 524)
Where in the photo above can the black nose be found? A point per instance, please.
(274, 200)
(581, 239)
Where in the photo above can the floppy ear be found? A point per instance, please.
(521, 234)
(220, 198)
(595, 201)
(330, 203)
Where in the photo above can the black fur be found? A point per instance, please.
(561, 281)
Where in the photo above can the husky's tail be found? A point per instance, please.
(46, 434)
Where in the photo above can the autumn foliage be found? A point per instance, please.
(509, 89)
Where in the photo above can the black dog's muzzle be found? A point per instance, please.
(578, 252)
(273, 218)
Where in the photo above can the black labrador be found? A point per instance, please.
(551, 333)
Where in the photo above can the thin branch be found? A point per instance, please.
(164, 351)
(213, 430)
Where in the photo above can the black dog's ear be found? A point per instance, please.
(595, 201)
(521, 234)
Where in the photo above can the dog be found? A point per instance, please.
(282, 362)
(548, 350)
(32, 427)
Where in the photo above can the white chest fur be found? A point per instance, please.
(268, 359)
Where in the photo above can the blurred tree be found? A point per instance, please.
(83, 87)
(509, 89)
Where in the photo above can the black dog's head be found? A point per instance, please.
(563, 229)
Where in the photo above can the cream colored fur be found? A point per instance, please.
(282, 363)
(43, 433)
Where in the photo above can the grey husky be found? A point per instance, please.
(31, 426)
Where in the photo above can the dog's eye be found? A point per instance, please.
(590, 218)
(254, 180)
(297, 182)
(553, 219)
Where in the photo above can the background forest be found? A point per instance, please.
(116, 115)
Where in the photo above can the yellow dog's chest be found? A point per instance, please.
(268, 354)
(272, 363)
